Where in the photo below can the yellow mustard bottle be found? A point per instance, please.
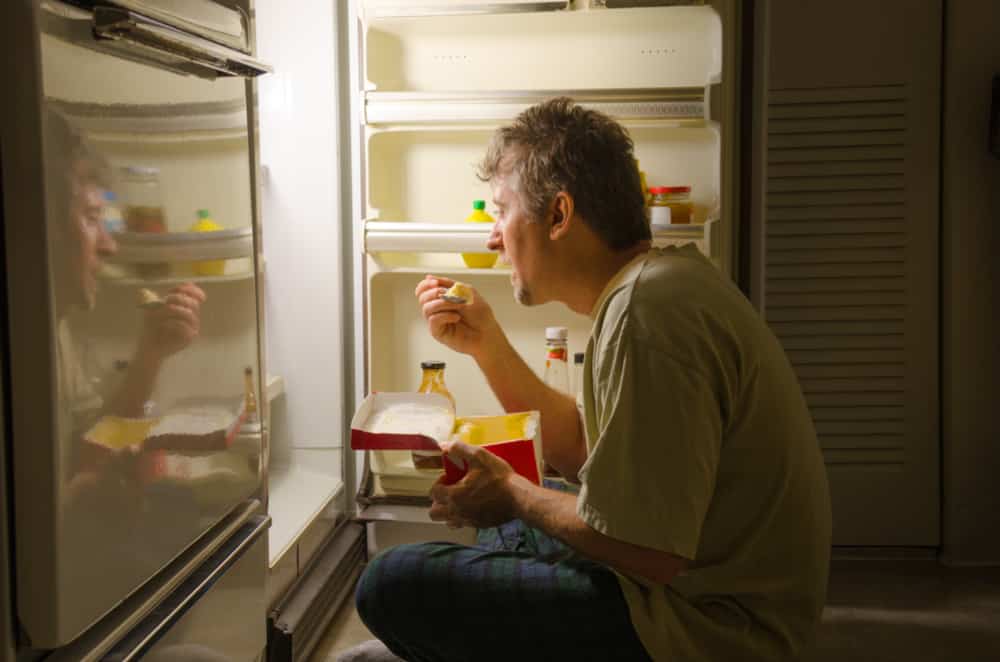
(208, 267)
(479, 260)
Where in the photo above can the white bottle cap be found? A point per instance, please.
(556, 333)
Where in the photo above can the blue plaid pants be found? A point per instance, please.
(517, 595)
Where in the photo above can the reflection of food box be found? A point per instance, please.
(419, 421)
(197, 429)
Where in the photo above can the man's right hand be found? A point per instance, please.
(468, 327)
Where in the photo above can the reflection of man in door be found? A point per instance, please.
(101, 497)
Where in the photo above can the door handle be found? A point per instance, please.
(155, 39)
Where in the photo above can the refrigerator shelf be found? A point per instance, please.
(674, 106)
(173, 247)
(395, 237)
(171, 281)
(298, 494)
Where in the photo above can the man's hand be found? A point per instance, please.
(482, 498)
(469, 328)
(169, 328)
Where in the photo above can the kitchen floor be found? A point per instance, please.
(876, 611)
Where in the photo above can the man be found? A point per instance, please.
(702, 527)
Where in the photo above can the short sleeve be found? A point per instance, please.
(650, 475)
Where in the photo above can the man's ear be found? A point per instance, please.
(561, 216)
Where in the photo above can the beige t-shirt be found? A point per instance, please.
(700, 444)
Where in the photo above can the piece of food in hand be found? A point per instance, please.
(149, 299)
(458, 293)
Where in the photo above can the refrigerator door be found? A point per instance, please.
(131, 278)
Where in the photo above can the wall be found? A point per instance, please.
(970, 246)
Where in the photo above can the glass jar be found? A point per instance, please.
(675, 198)
(432, 381)
(143, 199)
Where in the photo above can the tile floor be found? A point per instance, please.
(877, 611)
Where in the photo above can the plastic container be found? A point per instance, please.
(208, 267)
(143, 199)
(432, 381)
(675, 198)
(479, 260)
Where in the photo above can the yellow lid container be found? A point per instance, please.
(479, 260)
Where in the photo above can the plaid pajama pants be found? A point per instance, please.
(518, 595)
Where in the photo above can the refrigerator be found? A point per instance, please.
(435, 80)
(134, 448)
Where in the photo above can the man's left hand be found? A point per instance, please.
(482, 498)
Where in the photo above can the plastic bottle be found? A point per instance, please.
(111, 215)
(432, 381)
(556, 355)
(479, 260)
(578, 359)
(208, 267)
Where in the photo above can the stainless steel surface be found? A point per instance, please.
(100, 639)
(190, 595)
(205, 18)
(146, 34)
(121, 416)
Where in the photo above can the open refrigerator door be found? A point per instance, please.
(435, 82)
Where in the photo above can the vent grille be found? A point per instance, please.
(836, 262)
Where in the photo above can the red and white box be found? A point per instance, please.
(422, 421)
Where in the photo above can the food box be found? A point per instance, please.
(421, 421)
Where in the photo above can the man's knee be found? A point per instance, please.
(387, 583)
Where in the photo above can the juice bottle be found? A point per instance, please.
(208, 267)
(432, 381)
(479, 260)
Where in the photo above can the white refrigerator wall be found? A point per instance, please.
(304, 277)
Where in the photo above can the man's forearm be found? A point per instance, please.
(137, 386)
(519, 389)
(554, 513)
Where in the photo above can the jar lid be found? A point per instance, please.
(676, 189)
(556, 333)
(432, 365)
(479, 204)
(657, 189)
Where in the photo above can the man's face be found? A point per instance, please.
(524, 242)
(87, 234)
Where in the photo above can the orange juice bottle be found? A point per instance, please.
(479, 260)
(432, 381)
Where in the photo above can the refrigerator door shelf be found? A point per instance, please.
(382, 236)
(664, 105)
(149, 247)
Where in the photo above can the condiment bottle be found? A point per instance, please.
(479, 260)
(432, 381)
